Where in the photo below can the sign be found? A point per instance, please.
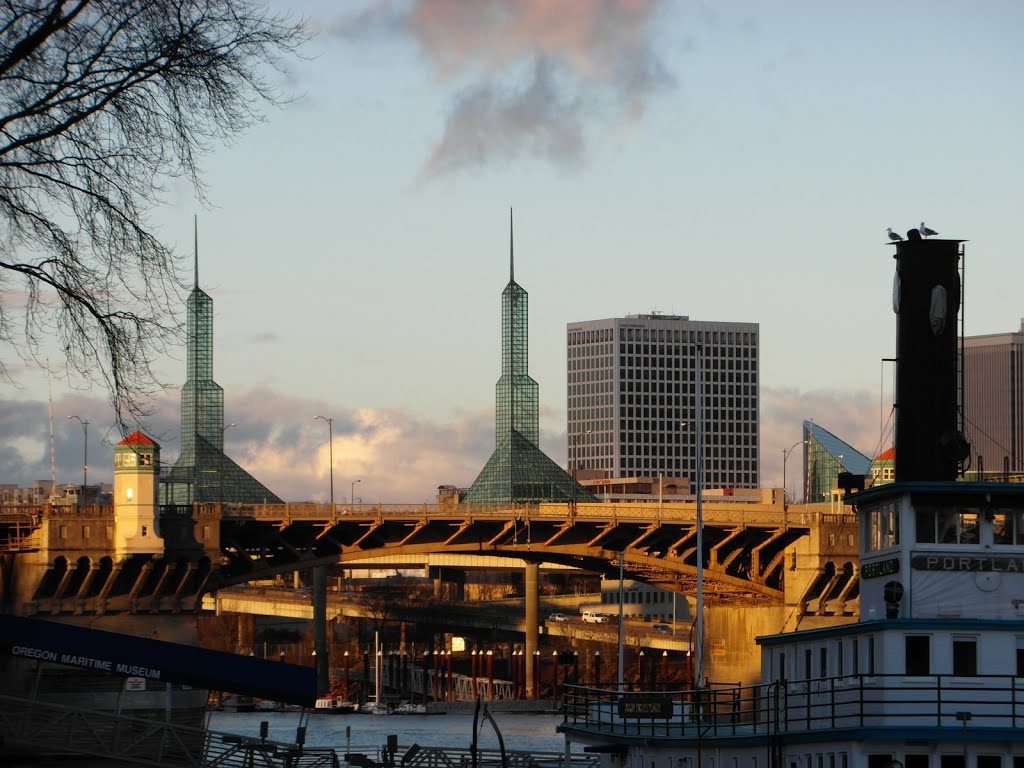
(967, 563)
(880, 568)
(646, 706)
(135, 683)
(718, 647)
(162, 662)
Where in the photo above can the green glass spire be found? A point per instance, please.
(518, 471)
(202, 471)
(515, 392)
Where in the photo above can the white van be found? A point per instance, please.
(592, 617)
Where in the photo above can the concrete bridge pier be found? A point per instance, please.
(531, 588)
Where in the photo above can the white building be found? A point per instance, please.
(632, 399)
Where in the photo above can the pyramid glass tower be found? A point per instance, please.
(518, 471)
(202, 472)
(825, 456)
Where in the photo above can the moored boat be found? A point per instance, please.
(932, 674)
(332, 705)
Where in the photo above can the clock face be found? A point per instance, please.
(987, 581)
(896, 293)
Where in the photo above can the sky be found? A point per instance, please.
(735, 161)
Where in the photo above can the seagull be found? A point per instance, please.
(893, 235)
(925, 232)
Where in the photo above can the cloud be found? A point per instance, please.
(531, 78)
(396, 457)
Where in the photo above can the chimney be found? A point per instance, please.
(926, 299)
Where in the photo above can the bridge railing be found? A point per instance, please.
(741, 514)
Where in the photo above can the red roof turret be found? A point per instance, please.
(136, 438)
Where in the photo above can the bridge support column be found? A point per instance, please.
(323, 681)
(531, 588)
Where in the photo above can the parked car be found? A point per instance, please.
(665, 629)
(559, 617)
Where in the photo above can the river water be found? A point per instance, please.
(532, 733)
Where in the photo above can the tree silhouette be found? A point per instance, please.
(102, 102)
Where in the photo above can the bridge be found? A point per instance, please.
(65, 561)
(67, 565)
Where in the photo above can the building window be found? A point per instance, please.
(918, 654)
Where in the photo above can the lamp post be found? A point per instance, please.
(220, 464)
(330, 440)
(699, 523)
(785, 458)
(352, 492)
(85, 453)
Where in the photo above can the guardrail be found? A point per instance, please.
(898, 701)
(742, 514)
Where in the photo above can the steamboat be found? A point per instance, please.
(932, 673)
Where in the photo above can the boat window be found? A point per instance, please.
(855, 656)
(918, 654)
(924, 523)
(839, 658)
(823, 662)
(990, 761)
(968, 526)
(807, 664)
(1020, 657)
(871, 654)
(915, 761)
(883, 528)
(1002, 528)
(965, 656)
(947, 526)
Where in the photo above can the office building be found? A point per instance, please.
(993, 401)
(633, 399)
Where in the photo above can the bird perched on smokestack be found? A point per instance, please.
(927, 232)
(892, 235)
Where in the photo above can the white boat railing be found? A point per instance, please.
(856, 701)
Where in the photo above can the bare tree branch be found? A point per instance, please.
(101, 102)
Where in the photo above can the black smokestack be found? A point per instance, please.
(926, 298)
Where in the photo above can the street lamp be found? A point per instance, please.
(330, 440)
(785, 458)
(352, 491)
(85, 454)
